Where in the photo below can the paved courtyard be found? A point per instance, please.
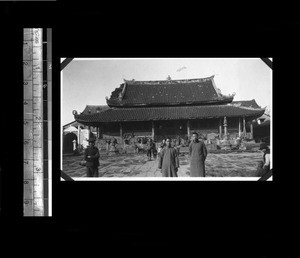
(231, 164)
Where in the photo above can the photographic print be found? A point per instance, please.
(166, 118)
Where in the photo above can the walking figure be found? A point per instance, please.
(168, 160)
(198, 153)
(91, 155)
(150, 148)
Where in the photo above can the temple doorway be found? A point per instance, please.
(68, 142)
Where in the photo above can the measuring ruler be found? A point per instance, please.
(33, 123)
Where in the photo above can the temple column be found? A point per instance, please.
(121, 132)
(152, 130)
(78, 132)
(89, 131)
(240, 132)
(188, 129)
(225, 126)
(251, 130)
(244, 126)
(220, 128)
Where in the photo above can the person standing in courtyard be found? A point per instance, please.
(161, 146)
(150, 148)
(260, 171)
(168, 161)
(108, 145)
(91, 156)
(266, 157)
(163, 143)
(198, 153)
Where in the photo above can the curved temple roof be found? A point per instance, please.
(167, 93)
(168, 113)
(89, 109)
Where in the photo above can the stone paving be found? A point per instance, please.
(231, 164)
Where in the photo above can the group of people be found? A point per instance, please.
(169, 158)
(111, 142)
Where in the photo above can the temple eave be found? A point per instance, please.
(116, 103)
(146, 115)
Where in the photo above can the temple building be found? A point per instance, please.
(173, 108)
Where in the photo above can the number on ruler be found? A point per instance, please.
(25, 83)
(26, 202)
(26, 182)
(36, 67)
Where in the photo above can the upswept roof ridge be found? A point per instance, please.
(89, 109)
(167, 92)
(245, 103)
(134, 82)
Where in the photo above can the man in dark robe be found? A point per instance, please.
(168, 161)
(150, 148)
(266, 157)
(260, 171)
(198, 153)
(91, 155)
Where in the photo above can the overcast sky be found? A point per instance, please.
(89, 81)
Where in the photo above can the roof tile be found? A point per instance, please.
(167, 113)
(164, 92)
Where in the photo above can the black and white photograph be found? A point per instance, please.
(166, 118)
(148, 127)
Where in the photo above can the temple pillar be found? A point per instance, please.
(89, 131)
(251, 129)
(121, 132)
(152, 130)
(240, 132)
(78, 132)
(220, 128)
(225, 127)
(244, 126)
(188, 129)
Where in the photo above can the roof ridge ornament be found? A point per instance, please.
(243, 107)
(169, 81)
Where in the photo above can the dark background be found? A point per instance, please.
(254, 217)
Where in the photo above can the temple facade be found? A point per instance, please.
(171, 108)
